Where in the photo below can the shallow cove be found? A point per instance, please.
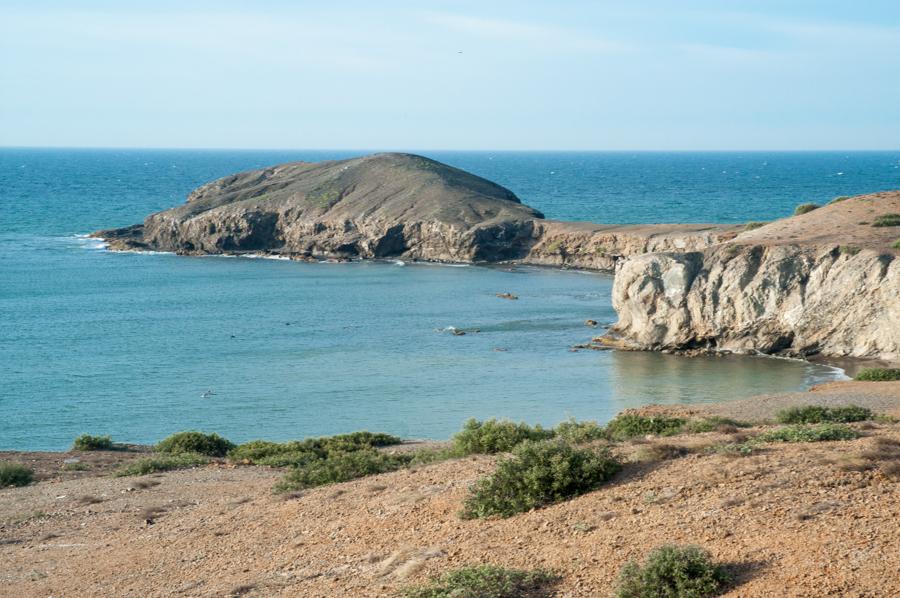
(126, 344)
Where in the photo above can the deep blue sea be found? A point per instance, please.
(128, 344)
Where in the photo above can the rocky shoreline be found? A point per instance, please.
(822, 284)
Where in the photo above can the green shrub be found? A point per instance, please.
(630, 426)
(887, 220)
(711, 424)
(13, 474)
(879, 374)
(341, 467)
(735, 449)
(848, 249)
(75, 466)
(280, 454)
(810, 433)
(896, 244)
(673, 572)
(840, 199)
(539, 473)
(486, 581)
(495, 436)
(211, 445)
(86, 442)
(805, 208)
(434, 455)
(814, 414)
(162, 463)
(579, 432)
(754, 225)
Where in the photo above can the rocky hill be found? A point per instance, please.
(384, 205)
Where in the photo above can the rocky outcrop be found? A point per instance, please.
(787, 288)
(385, 205)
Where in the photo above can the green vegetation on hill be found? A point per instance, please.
(486, 581)
(752, 225)
(673, 572)
(341, 466)
(157, 463)
(805, 208)
(810, 433)
(13, 475)
(629, 426)
(887, 220)
(86, 442)
(495, 436)
(539, 473)
(814, 414)
(211, 445)
(879, 374)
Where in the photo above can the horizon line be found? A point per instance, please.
(413, 150)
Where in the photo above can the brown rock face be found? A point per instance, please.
(385, 205)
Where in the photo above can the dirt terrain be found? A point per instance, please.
(807, 519)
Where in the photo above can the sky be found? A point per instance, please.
(562, 75)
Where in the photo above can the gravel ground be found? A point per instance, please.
(790, 520)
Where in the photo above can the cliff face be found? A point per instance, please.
(385, 205)
(787, 288)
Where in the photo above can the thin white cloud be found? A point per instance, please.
(553, 37)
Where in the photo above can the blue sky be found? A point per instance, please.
(520, 75)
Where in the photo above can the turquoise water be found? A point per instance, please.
(127, 344)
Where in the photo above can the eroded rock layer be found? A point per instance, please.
(826, 282)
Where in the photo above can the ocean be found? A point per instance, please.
(142, 345)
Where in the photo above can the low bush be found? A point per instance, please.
(281, 454)
(840, 199)
(879, 374)
(211, 445)
(849, 250)
(814, 414)
(735, 449)
(341, 467)
(162, 463)
(896, 244)
(579, 432)
(495, 436)
(673, 572)
(660, 452)
(75, 466)
(630, 426)
(486, 581)
(754, 225)
(712, 424)
(810, 433)
(887, 220)
(805, 208)
(86, 442)
(539, 473)
(14, 475)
